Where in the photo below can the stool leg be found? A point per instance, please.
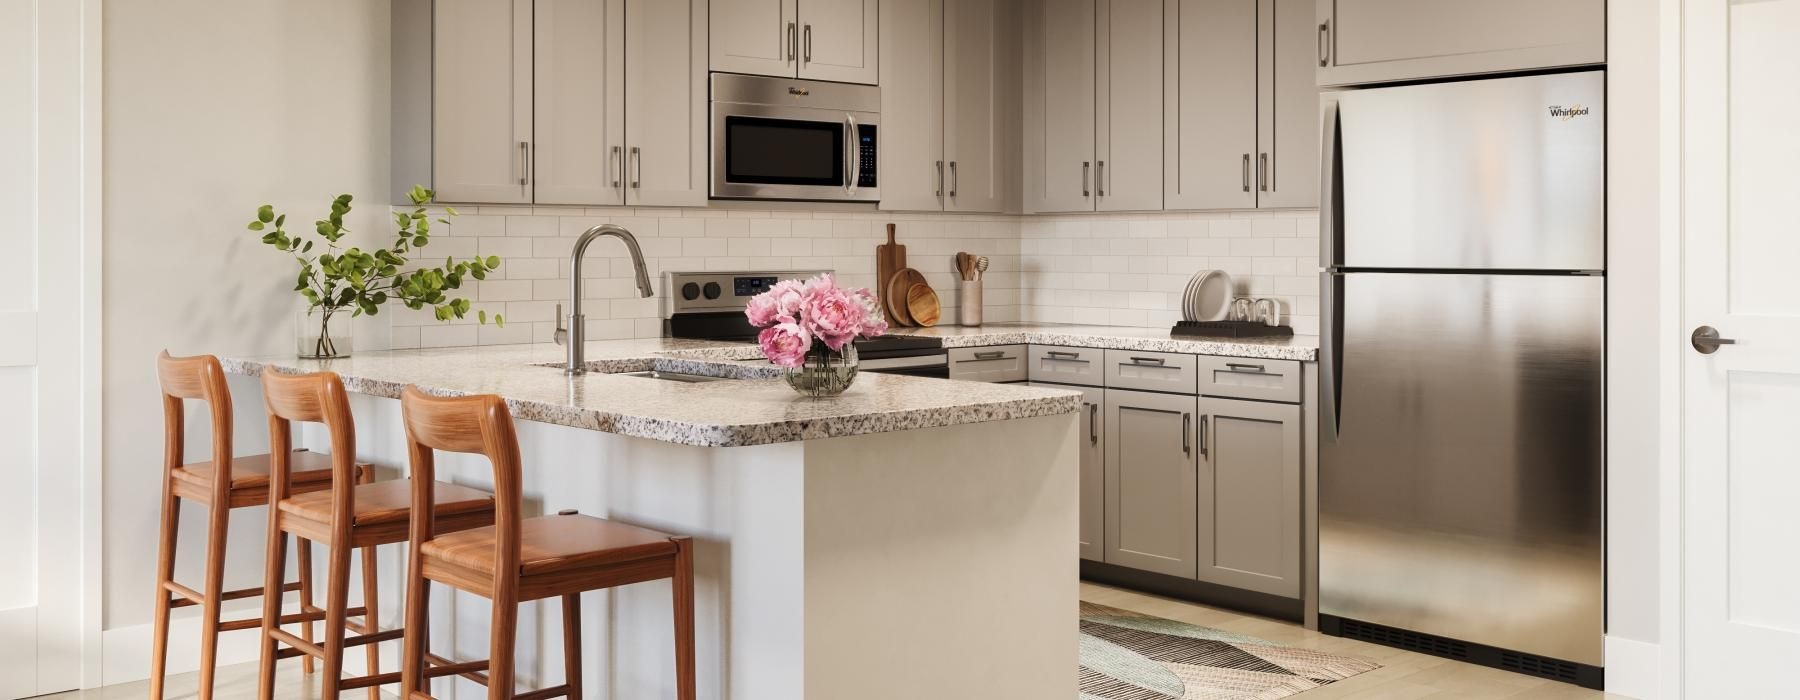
(683, 585)
(165, 572)
(371, 618)
(303, 559)
(337, 594)
(501, 636)
(412, 646)
(275, 574)
(571, 613)
(214, 588)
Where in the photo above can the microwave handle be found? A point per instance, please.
(853, 164)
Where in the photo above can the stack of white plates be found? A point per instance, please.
(1208, 296)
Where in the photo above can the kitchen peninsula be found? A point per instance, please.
(902, 525)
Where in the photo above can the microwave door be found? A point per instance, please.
(791, 152)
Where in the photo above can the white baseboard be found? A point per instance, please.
(1634, 668)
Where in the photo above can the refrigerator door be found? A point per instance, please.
(1461, 457)
(1498, 174)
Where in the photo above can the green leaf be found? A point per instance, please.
(499, 321)
(279, 220)
(483, 316)
(265, 213)
(419, 241)
(451, 211)
(256, 225)
(493, 261)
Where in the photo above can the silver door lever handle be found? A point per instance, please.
(1706, 340)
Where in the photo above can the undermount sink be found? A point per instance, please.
(670, 376)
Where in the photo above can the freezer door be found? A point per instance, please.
(1505, 173)
(1460, 469)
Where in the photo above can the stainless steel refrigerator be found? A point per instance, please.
(1461, 440)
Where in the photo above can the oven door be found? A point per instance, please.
(934, 365)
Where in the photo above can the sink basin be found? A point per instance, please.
(671, 376)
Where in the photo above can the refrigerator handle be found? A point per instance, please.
(1331, 357)
(1331, 189)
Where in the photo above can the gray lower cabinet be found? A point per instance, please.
(1249, 495)
(1093, 469)
(1151, 503)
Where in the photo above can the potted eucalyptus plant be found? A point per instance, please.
(343, 283)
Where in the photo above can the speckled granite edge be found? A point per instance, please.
(979, 410)
(1274, 349)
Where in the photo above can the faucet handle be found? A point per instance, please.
(561, 336)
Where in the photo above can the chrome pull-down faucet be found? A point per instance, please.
(575, 335)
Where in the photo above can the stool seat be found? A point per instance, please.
(250, 474)
(554, 543)
(390, 502)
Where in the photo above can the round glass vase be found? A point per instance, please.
(825, 372)
(323, 333)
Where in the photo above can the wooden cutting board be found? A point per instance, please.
(894, 295)
(890, 257)
(922, 304)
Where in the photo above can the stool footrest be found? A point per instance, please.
(185, 597)
(292, 640)
(366, 681)
(438, 666)
(559, 691)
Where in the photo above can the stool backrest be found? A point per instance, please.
(197, 378)
(311, 398)
(476, 424)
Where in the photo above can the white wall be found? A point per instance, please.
(211, 109)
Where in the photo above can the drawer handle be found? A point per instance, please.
(1151, 362)
(1061, 354)
(996, 355)
(1250, 369)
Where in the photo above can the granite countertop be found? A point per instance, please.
(1304, 348)
(753, 407)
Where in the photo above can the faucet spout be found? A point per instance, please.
(577, 328)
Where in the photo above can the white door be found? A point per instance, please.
(1209, 124)
(1742, 404)
(577, 99)
(758, 37)
(838, 40)
(665, 102)
(1128, 167)
(1059, 102)
(911, 167)
(481, 101)
(42, 230)
(974, 86)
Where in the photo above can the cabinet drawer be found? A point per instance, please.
(1000, 363)
(1064, 365)
(1244, 378)
(1150, 371)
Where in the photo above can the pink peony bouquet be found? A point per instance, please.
(796, 316)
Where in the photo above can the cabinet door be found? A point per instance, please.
(665, 103)
(1150, 489)
(1381, 40)
(974, 85)
(1209, 114)
(759, 37)
(911, 167)
(1288, 106)
(1249, 524)
(838, 40)
(1093, 470)
(578, 101)
(1059, 103)
(1128, 169)
(481, 101)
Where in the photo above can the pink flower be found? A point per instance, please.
(831, 314)
(785, 344)
(781, 302)
(874, 323)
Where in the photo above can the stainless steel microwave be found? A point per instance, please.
(778, 138)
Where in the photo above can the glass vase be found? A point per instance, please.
(825, 372)
(323, 333)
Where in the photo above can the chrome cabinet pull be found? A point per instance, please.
(940, 180)
(853, 163)
(1061, 355)
(1262, 171)
(1246, 172)
(1093, 434)
(1084, 179)
(1325, 44)
(806, 53)
(1203, 440)
(1187, 434)
(953, 178)
(617, 168)
(637, 168)
(524, 164)
(1239, 367)
(1100, 177)
(1155, 361)
(995, 355)
(792, 41)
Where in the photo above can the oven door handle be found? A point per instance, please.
(852, 164)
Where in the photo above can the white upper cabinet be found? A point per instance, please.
(815, 39)
(947, 97)
(666, 120)
(1287, 107)
(1364, 41)
(1059, 106)
(578, 93)
(481, 101)
(911, 165)
(759, 37)
(1128, 165)
(1210, 117)
(976, 89)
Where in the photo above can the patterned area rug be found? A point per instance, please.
(1133, 656)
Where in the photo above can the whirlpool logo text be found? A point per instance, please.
(1567, 113)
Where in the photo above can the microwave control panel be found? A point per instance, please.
(865, 137)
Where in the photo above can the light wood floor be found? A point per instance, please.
(1403, 675)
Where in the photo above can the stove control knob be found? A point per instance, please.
(690, 291)
(712, 290)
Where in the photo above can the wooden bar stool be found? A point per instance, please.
(346, 516)
(241, 482)
(521, 559)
